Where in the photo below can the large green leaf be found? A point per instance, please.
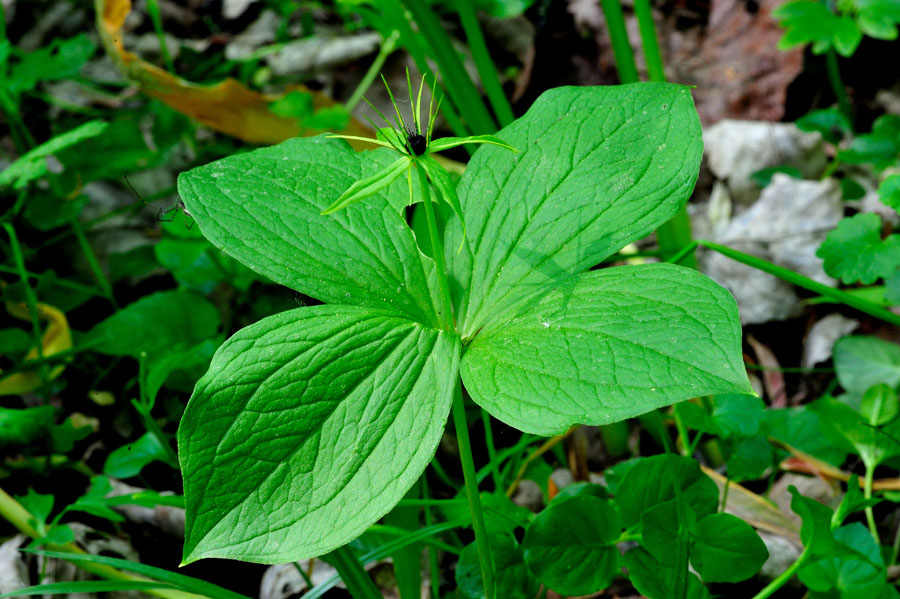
(309, 426)
(607, 345)
(597, 168)
(264, 209)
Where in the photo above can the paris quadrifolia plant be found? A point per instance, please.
(312, 424)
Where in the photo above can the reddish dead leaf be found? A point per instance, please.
(227, 106)
(773, 380)
(754, 509)
(807, 464)
(735, 63)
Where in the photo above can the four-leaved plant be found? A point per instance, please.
(312, 424)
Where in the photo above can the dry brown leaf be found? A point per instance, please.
(772, 377)
(227, 106)
(754, 509)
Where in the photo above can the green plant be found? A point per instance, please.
(313, 423)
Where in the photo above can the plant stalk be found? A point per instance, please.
(867, 493)
(354, 575)
(837, 84)
(486, 69)
(459, 410)
(437, 248)
(652, 55)
(618, 35)
(471, 480)
(785, 576)
(387, 48)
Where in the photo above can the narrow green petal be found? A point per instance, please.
(445, 143)
(370, 185)
(370, 140)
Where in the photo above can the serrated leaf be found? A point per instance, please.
(855, 252)
(889, 191)
(309, 426)
(726, 549)
(605, 346)
(863, 362)
(570, 546)
(597, 168)
(812, 22)
(264, 209)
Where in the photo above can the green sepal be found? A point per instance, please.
(445, 143)
(370, 185)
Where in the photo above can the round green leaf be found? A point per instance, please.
(570, 546)
(726, 549)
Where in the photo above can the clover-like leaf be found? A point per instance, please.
(570, 546)
(726, 549)
(854, 250)
(814, 23)
(889, 191)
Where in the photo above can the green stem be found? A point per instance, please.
(674, 236)
(867, 493)
(457, 81)
(354, 575)
(797, 279)
(618, 35)
(433, 566)
(652, 55)
(396, 15)
(387, 48)
(682, 547)
(486, 69)
(785, 576)
(438, 250)
(93, 263)
(492, 450)
(837, 84)
(156, 17)
(468, 467)
(895, 549)
(725, 495)
(459, 411)
(682, 434)
(304, 575)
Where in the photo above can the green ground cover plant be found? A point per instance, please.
(330, 310)
(331, 413)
